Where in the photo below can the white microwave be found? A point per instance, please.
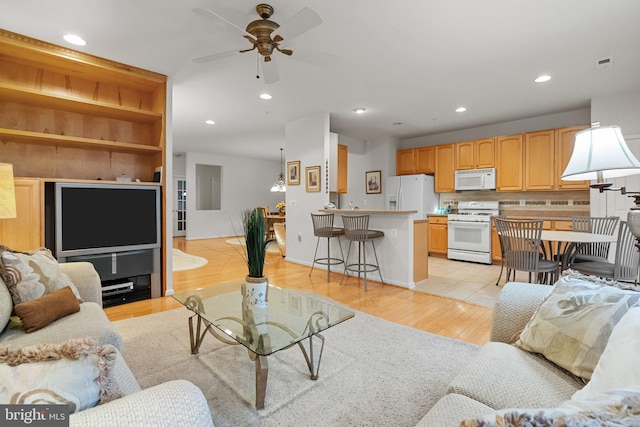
(475, 179)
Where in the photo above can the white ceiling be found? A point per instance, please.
(408, 61)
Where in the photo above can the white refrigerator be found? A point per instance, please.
(412, 192)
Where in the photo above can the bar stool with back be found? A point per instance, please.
(323, 228)
(356, 229)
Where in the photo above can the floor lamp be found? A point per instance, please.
(7, 192)
(600, 153)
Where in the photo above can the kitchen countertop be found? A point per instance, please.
(368, 211)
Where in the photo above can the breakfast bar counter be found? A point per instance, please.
(402, 252)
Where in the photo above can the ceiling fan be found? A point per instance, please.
(265, 35)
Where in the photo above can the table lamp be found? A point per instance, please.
(600, 153)
(7, 192)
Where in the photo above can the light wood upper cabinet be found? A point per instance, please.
(425, 160)
(477, 154)
(509, 165)
(343, 153)
(564, 147)
(445, 166)
(539, 169)
(405, 163)
(24, 232)
(485, 152)
(465, 155)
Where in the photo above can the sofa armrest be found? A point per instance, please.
(515, 306)
(174, 403)
(86, 279)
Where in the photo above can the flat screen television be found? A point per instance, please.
(101, 218)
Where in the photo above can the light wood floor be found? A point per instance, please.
(435, 314)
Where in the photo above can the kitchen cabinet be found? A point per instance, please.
(420, 250)
(509, 164)
(24, 232)
(539, 151)
(465, 157)
(477, 154)
(564, 147)
(438, 235)
(425, 160)
(445, 166)
(405, 163)
(343, 153)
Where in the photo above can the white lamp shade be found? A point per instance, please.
(7, 192)
(600, 149)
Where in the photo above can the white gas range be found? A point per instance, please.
(469, 231)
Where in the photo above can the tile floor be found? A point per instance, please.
(466, 281)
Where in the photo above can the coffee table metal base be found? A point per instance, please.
(262, 366)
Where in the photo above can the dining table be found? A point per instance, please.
(562, 245)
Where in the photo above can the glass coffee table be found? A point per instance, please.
(290, 318)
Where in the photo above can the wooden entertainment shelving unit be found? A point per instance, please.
(67, 115)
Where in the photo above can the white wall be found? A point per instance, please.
(245, 184)
(307, 140)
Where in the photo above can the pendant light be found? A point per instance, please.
(280, 185)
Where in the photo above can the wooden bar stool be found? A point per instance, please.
(323, 228)
(356, 229)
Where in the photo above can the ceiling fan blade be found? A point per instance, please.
(215, 56)
(300, 23)
(270, 71)
(209, 14)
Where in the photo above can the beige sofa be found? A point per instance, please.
(501, 375)
(168, 404)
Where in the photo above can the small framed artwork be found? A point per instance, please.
(313, 179)
(373, 182)
(293, 173)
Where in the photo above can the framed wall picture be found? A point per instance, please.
(312, 179)
(373, 182)
(293, 173)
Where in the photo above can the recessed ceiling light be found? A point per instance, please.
(359, 110)
(73, 39)
(210, 122)
(461, 110)
(543, 78)
(265, 96)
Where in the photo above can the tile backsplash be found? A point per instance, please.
(556, 203)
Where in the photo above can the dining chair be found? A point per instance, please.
(268, 224)
(625, 265)
(520, 242)
(501, 248)
(591, 252)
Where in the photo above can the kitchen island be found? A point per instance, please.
(402, 252)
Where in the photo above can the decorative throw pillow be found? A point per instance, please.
(77, 373)
(572, 326)
(614, 408)
(30, 275)
(6, 306)
(618, 366)
(40, 312)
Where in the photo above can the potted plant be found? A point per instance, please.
(256, 247)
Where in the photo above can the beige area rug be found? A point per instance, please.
(373, 372)
(271, 246)
(183, 261)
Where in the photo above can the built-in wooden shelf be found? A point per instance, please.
(12, 135)
(13, 93)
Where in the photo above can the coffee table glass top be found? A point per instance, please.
(289, 316)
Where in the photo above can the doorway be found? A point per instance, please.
(180, 206)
